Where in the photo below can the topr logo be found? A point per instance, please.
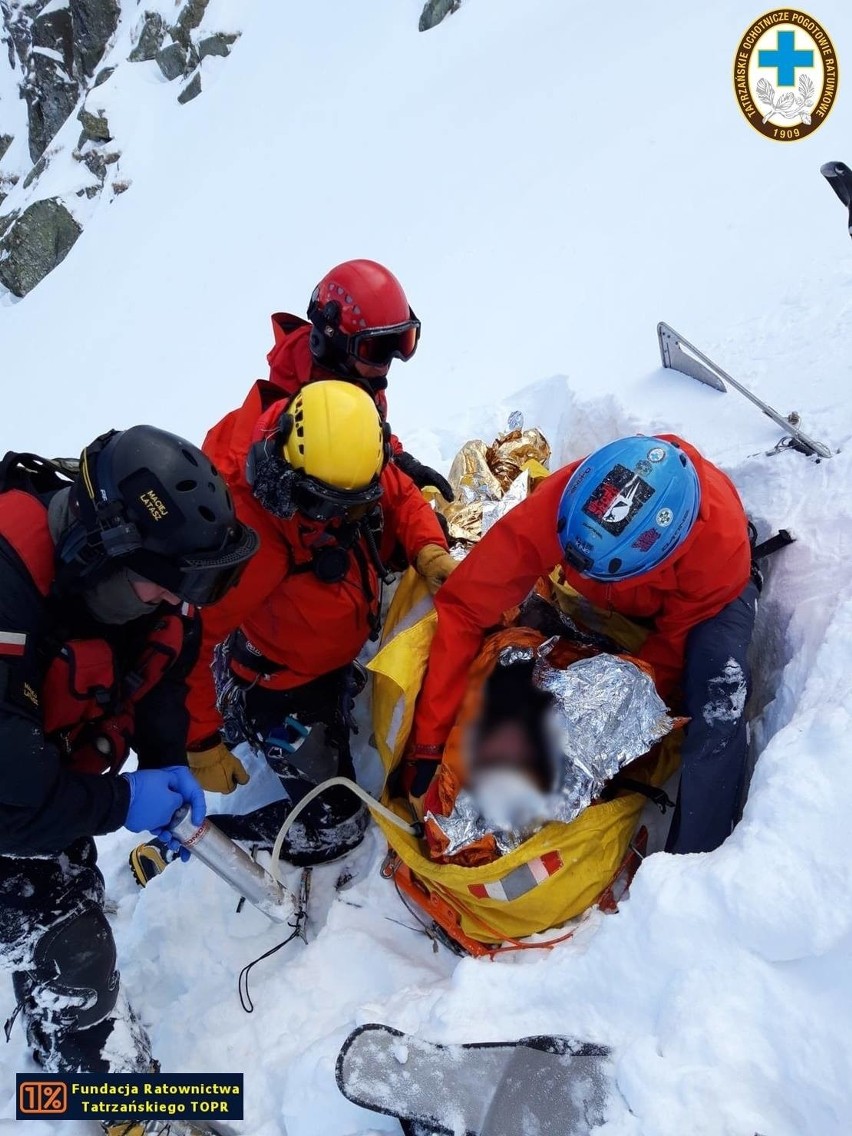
(154, 505)
(617, 499)
(785, 75)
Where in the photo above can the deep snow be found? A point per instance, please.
(548, 181)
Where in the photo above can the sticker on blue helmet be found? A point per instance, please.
(617, 499)
(647, 539)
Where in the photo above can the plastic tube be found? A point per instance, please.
(372, 804)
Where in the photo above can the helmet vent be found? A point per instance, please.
(614, 565)
(189, 457)
(186, 486)
(206, 513)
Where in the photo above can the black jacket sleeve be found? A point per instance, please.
(162, 719)
(43, 806)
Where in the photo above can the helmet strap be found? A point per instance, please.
(100, 532)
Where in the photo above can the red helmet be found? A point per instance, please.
(361, 314)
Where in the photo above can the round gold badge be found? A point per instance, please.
(785, 75)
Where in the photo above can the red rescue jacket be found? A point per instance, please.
(86, 694)
(702, 576)
(304, 626)
(291, 365)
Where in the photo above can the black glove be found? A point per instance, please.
(423, 475)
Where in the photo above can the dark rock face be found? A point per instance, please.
(59, 53)
(192, 90)
(219, 44)
(94, 23)
(190, 17)
(95, 125)
(33, 243)
(151, 37)
(436, 10)
(172, 60)
(50, 88)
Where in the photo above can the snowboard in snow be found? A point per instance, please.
(542, 1086)
(839, 177)
(678, 354)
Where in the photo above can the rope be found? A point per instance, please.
(372, 804)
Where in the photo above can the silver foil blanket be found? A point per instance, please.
(606, 713)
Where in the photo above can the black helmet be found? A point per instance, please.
(155, 503)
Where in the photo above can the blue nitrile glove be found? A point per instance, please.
(155, 797)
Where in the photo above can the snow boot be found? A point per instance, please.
(149, 860)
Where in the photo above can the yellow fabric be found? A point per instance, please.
(399, 666)
(537, 472)
(591, 847)
(217, 770)
(337, 435)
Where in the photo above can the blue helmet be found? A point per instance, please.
(627, 507)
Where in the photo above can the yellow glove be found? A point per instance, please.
(217, 770)
(434, 564)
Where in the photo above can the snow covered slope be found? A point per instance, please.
(547, 187)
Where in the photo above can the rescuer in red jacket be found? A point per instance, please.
(650, 529)
(359, 321)
(99, 572)
(313, 477)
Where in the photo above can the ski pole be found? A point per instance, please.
(233, 865)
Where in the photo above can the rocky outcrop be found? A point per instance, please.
(61, 53)
(34, 242)
(58, 49)
(192, 89)
(151, 33)
(436, 10)
(94, 23)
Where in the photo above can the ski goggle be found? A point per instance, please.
(377, 346)
(320, 502)
(199, 580)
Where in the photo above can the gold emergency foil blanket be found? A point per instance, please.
(481, 475)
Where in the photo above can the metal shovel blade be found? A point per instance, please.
(678, 354)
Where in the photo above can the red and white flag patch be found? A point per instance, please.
(12, 644)
(521, 880)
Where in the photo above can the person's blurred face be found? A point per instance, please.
(506, 746)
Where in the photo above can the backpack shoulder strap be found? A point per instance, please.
(35, 474)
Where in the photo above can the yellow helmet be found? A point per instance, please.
(337, 436)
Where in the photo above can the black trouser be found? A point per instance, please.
(55, 938)
(716, 686)
(331, 824)
(320, 702)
